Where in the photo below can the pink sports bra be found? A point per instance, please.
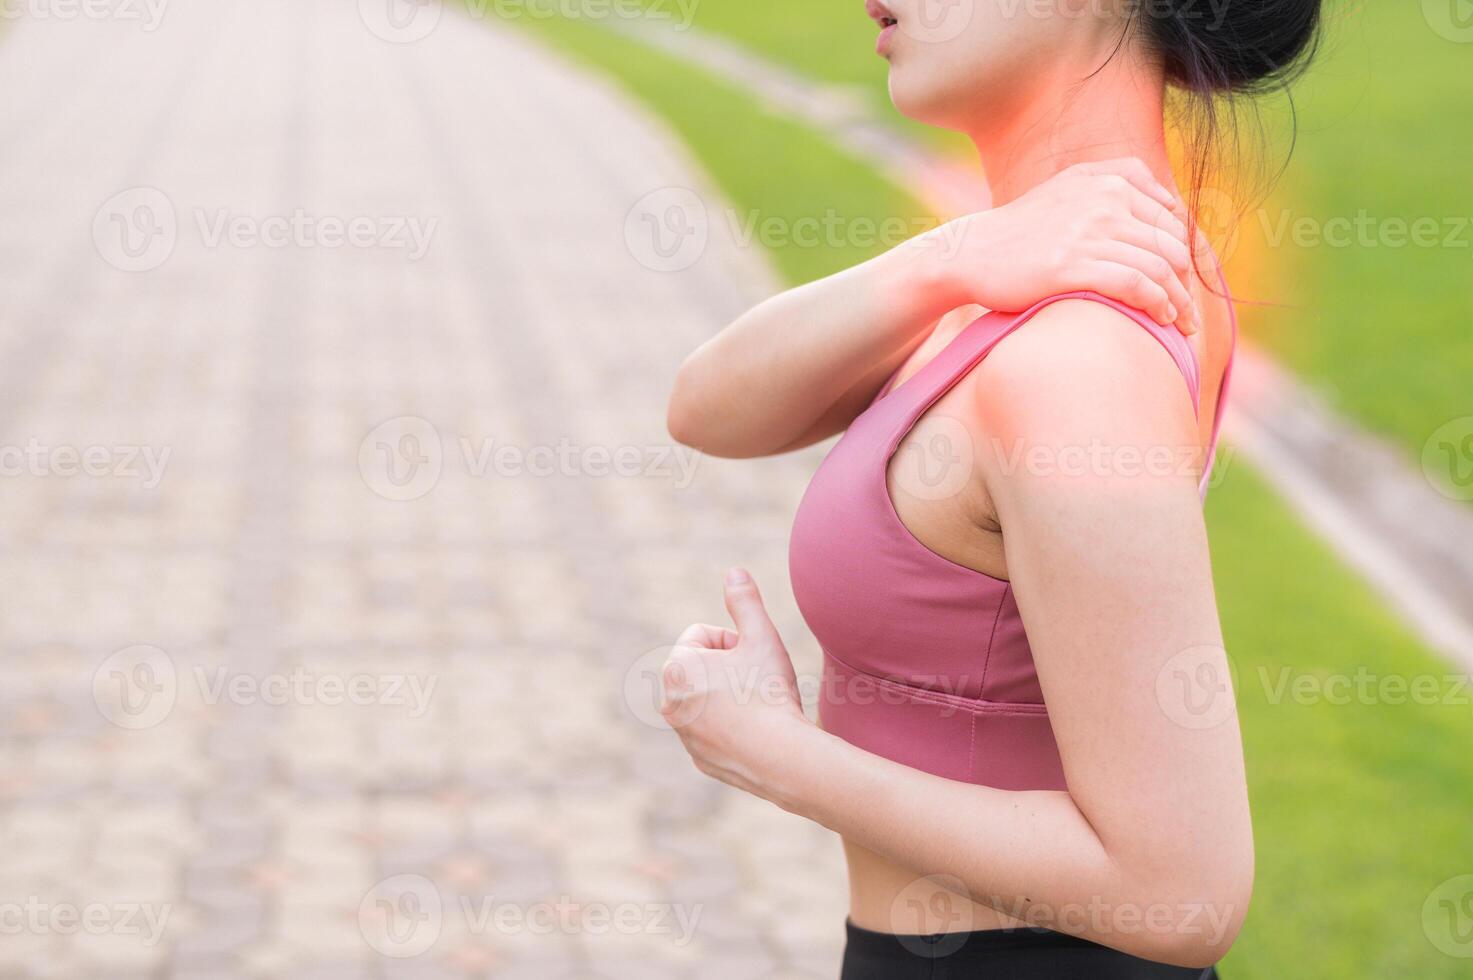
(926, 662)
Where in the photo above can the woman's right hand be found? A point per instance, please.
(800, 366)
(1110, 227)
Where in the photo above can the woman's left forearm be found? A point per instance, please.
(1030, 855)
(1006, 846)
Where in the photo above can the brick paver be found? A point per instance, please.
(338, 512)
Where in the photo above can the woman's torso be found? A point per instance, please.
(957, 527)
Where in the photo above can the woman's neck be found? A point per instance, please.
(1116, 112)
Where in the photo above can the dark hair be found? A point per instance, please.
(1214, 50)
(1214, 47)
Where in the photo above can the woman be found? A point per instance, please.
(1026, 717)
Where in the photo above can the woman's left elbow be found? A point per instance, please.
(1198, 945)
(1199, 931)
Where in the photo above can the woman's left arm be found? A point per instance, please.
(1087, 459)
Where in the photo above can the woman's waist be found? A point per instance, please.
(887, 899)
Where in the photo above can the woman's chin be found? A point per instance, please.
(923, 103)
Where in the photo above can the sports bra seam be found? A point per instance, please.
(975, 706)
(992, 635)
(972, 745)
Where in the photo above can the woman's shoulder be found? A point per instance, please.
(1078, 363)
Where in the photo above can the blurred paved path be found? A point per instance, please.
(310, 663)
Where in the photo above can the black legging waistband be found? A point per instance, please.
(997, 954)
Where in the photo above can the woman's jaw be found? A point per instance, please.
(1036, 91)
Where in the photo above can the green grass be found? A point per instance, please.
(1360, 810)
(1385, 128)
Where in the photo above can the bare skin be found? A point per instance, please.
(886, 895)
(798, 367)
(1110, 569)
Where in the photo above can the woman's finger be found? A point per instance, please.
(1183, 311)
(1144, 236)
(1134, 170)
(1135, 232)
(707, 637)
(1168, 224)
(1127, 284)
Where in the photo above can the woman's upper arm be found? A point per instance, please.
(1091, 440)
(861, 395)
(848, 407)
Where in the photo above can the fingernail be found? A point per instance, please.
(738, 576)
(1171, 314)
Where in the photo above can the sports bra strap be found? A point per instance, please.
(978, 339)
